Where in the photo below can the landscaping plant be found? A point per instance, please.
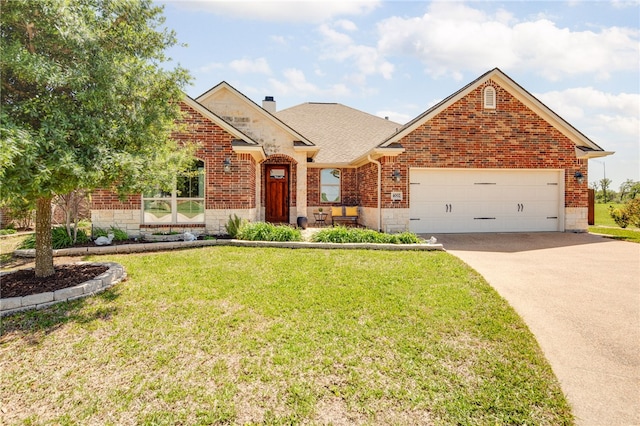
(342, 234)
(628, 213)
(59, 239)
(233, 225)
(118, 234)
(261, 231)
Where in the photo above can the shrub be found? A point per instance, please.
(619, 216)
(118, 234)
(341, 234)
(627, 214)
(261, 231)
(59, 239)
(7, 231)
(233, 226)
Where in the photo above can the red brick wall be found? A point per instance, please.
(233, 190)
(103, 199)
(466, 135)
(368, 185)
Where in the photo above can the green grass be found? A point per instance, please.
(602, 216)
(228, 335)
(605, 225)
(8, 245)
(627, 234)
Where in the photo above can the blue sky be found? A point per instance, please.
(398, 58)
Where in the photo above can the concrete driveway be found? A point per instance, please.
(580, 296)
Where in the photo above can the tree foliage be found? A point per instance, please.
(87, 98)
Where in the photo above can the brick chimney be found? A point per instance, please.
(269, 104)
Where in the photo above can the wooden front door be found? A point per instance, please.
(277, 193)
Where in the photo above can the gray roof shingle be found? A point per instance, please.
(342, 133)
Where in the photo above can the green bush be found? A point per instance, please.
(619, 216)
(261, 231)
(233, 226)
(627, 214)
(118, 234)
(59, 239)
(341, 234)
(7, 231)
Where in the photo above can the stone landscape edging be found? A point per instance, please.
(146, 247)
(107, 279)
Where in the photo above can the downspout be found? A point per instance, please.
(371, 160)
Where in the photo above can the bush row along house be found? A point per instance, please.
(489, 158)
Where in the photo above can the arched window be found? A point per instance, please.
(185, 204)
(489, 97)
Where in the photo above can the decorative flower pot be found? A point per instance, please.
(302, 222)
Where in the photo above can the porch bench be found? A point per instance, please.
(344, 214)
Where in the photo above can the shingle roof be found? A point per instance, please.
(341, 133)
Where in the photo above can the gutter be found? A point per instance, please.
(371, 160)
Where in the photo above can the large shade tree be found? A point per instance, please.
(88, 101)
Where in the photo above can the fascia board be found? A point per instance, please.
(377, 153)
(255, 151)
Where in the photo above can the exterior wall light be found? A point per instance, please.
(226, 165)
(396, 175)
(579, 177)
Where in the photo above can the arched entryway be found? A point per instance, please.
(279, 179)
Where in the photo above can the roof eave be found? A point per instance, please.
(581, 155)
(256, 151)
(377, 153)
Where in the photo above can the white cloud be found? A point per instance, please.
(610, 120)
(212, 66)
(395, 116)
(298, 11)
(346, 25)
(340, 47)
(451, 38)
(618, 114)
(295, 83)
(245, 65)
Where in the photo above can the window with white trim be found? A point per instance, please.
(185, 204)
(330, 185)
(489, 96)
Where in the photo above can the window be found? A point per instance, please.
(489, 97)
(185, 204)
(330, 185)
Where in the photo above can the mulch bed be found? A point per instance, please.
(24, 282)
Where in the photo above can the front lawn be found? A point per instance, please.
(229, 335)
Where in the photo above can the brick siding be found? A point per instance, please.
(232, 190)
(465, 135)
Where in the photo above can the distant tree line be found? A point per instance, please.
(629, 190)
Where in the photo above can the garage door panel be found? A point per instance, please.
(484, 200)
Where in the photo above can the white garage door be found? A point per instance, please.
(479, 200)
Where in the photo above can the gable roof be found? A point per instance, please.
(342, 133)
(585, 147)
(224, 85)
(244, 143)
(215, 118)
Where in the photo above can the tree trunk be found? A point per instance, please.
(44, 250)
